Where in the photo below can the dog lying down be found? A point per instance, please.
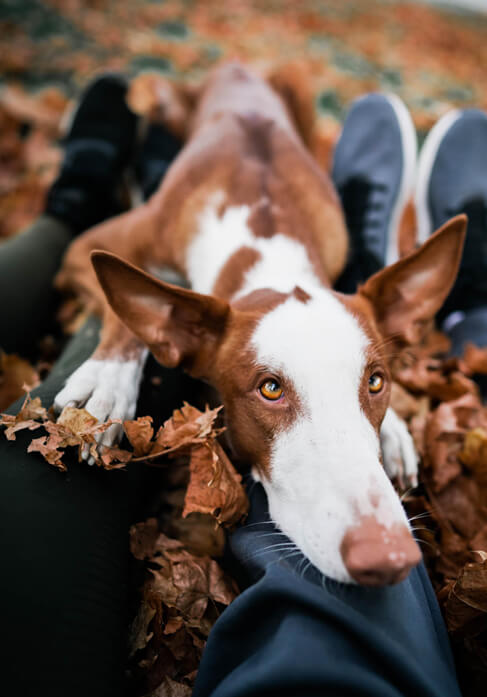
(255, 225)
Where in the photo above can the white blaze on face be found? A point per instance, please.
(325, 471)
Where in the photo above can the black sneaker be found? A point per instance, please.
(452, 179)
(157, 151)
(373, 170)
(98, 146)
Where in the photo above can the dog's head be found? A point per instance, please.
(305, 381)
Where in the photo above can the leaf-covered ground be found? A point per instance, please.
(434, 60)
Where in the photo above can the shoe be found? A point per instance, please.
(158, 149)
(98, 146)
(373, 169)
(452, 179)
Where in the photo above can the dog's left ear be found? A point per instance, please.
(406, 295)
(179, 327)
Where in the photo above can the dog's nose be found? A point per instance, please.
(377, 556)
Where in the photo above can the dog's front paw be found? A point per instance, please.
(107, 389)
(398, 452)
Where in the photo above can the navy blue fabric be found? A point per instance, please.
(293, 632)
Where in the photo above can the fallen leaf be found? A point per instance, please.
(187, 426)
(140, 434)
(170, 688)
(15, 373)
(466, 607)
(215, 487)
(475, 359)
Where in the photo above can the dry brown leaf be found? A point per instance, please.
(466, 607)
(444, 434)
(31, 416)
(140, 635)
(47, 446)
(474, 451)
(112, 458)
(441, 380)
(143, 537)
(215, 487)
(15, 373)
(76, 422)
(140, 434)
(26, 108)
(170, 688)
(403, 403)
(187, 426)
(181, 601)
(475, 358)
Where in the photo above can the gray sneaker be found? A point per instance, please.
(374, 170)
(452, 179)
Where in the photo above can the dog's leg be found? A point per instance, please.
(398, 452)
(107, 384)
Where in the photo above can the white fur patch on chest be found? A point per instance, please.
(283, 263)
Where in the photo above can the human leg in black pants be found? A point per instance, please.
(293, 632)
(64, 539)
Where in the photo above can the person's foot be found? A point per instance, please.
(373, 170)
(452, 179)
(158, 149)
(98, 146)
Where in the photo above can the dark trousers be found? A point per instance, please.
(64, 552)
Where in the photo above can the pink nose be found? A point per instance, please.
(377, 556)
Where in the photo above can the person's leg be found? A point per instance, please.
(373, 170)
(98, 145)
(28, 264)
(64, 550)
(293, 632)
(452, 179)
(64, 541)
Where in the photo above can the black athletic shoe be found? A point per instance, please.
(98, 146)
(157, 151)
(373, 170)
(452, 179)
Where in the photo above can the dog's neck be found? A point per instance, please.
(228, 258)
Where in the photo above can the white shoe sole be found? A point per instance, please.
(426, 162)
(409, 146)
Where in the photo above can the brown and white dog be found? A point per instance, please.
(256, 227)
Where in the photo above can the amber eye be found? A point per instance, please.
(376, 383)
(271, 389)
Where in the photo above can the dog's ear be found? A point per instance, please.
(406, 295)
(179, 327)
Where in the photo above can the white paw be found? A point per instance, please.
(107, 389)
(398, 452)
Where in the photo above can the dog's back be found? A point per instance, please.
(244, 150)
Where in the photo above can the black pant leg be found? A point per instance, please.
(28, 264)
(293, 633)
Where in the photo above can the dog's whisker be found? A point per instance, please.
(425, 514)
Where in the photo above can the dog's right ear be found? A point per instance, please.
(179, 327)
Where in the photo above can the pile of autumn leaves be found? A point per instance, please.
(442, 405)
(185, 588)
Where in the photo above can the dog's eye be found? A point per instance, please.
(271, 389)
(376, 383)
